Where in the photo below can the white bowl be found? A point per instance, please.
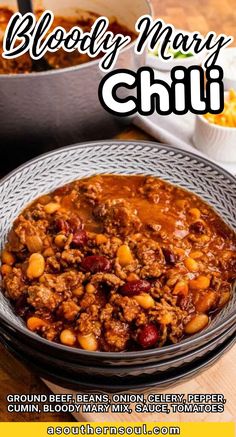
(218, 142)
(157, 63)
(228, 57)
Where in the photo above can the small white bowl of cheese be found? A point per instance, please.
(215, 135)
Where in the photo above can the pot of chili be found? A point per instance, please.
(60, 106)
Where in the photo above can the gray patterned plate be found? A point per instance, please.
(45, 173)
(141, 384)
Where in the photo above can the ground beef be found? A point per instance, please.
(87, 325)
(63, 282)
(129, 307)
(69, 310)
(25, 228)
(107, 278)
(118, 217)
(116, 334)
(87, 300)
(53, 265)
(72, 256)
(153, 270)
(14, 284)
(149, 251)
(42, 297)
(92, 192)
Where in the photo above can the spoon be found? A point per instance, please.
(41, 64)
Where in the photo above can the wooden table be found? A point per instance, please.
(202, 15)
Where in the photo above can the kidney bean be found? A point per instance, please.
(62, 225)
(148, 336)
(133, 288)
(75, 224)
(169, 256)
(95, 264)
(198, 227)
(79, 238)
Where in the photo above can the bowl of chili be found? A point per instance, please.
(145, 196)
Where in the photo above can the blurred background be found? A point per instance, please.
(201, 15)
